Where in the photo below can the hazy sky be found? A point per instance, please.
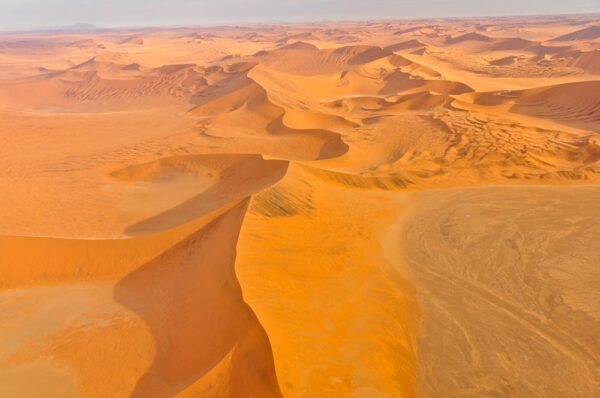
(23, 14)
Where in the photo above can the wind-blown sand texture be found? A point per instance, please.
(361, 209)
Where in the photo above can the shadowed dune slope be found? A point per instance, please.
(588, 61)
(197, 335)
(589, 33)
(207, 338)
(573, 104)
(242, 109)
(231, 177)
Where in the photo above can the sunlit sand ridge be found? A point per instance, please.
(365, 209)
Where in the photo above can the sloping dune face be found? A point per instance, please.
(361, 209)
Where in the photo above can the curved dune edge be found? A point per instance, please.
(231, 177)
(30, 261)
(571, 104)
(242, 105)
(148, 197)
(180, 271)
(168, 304)
(329, 301)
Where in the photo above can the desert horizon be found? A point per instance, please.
(402, 207)
(87, 27)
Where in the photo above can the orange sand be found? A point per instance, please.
(381, 209)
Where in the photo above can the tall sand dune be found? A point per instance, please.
(164, 279)
(589, 33)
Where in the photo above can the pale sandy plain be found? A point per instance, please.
(365, 209)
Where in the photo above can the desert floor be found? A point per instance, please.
(361, 209)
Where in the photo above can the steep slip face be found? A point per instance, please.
(231, 177)
(165, 305)
(174, 324)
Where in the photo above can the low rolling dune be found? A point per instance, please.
(349, 209)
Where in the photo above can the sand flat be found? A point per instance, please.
(508, 280)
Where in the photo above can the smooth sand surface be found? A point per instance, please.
(352, 209)
(509, 276)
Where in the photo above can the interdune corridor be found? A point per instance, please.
(384, 209)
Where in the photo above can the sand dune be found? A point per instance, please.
(574, 104)
(244, 108)
(219, 350)
(349, 209)
(589, 33)
(223, 179)
(406, 45)
(587, 60)
(472, 36)
(325, 61)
